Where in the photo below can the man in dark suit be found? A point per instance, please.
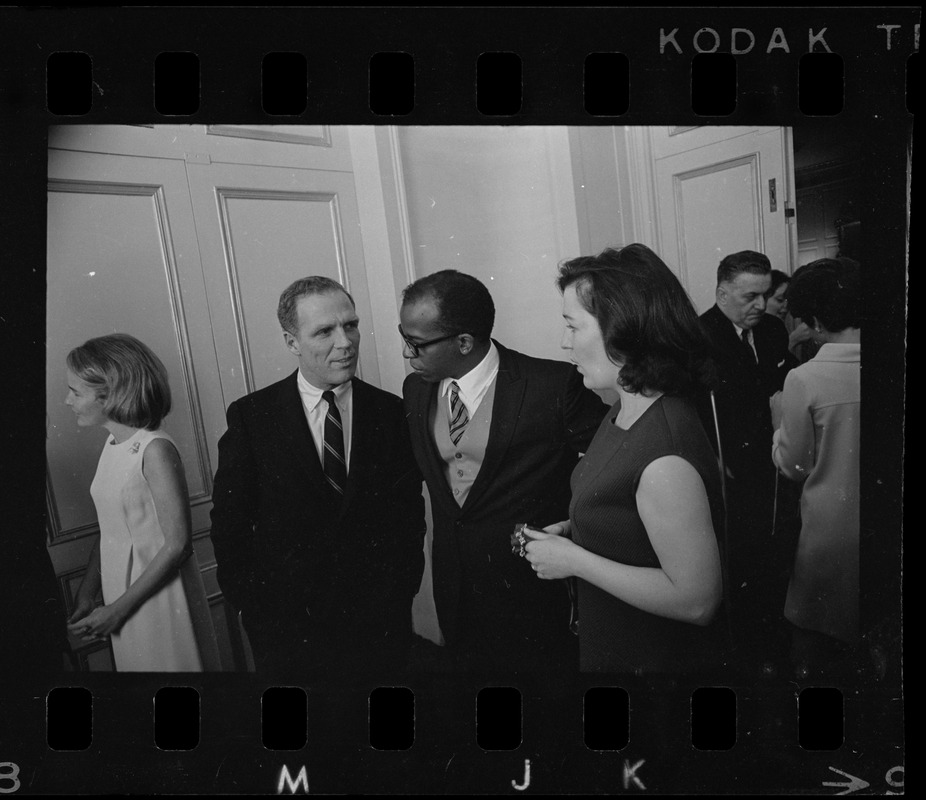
(496, 435)
(318, 516)
(750, 350)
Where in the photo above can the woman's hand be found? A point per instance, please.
(552, 556)
(82, 607)
(99, 623)
(563, 528)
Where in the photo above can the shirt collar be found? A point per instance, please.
(475, 382)
(312, 395)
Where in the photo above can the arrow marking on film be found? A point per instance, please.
(853, 784)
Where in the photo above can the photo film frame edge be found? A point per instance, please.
(229, 756)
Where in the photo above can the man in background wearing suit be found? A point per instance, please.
(318, 516)
(750, 349)
(496, 435)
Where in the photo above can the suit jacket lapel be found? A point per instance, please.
(362, 440)
(732, 343)
(294, 429)
(509, 393)
(765, 352)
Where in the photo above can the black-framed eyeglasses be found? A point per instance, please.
(415, 347)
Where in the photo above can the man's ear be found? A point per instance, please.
(291, 344)
(720, 295)
(466, 343)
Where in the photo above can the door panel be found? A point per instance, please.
(717, 203)
(259, 230)
(728, 192)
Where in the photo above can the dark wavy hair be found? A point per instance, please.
(826, 290)
(646, 318)
(743, 261)
(463, 302)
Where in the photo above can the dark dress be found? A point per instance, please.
(613, 635)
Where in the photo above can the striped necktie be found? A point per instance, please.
(334, 463)
(459, 416)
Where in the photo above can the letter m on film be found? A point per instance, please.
(302, 779)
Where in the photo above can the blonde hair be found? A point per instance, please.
(126, 376)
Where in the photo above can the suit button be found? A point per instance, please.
(458, 455)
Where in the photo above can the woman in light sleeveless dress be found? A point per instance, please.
(155, 611)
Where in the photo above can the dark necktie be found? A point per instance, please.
(745, 337)
(334, 462)
(459, 416)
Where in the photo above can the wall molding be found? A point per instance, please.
(270, 134)
(642, 165)
(401, 204)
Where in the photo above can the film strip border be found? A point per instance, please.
(496, 723)
(454, 65)
(421, 66)
(599, 737)
(498, 78)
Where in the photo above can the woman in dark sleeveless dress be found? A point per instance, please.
(646, 498)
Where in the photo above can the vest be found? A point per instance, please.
(462, 461)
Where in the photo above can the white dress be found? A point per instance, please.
(172, 630)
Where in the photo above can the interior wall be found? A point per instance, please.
(602, 188)
(497, 203)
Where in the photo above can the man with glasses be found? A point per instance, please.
(496, 435)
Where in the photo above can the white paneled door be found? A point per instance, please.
(718, 191)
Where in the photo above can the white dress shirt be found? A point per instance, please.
(475, 383)
(316, 409)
